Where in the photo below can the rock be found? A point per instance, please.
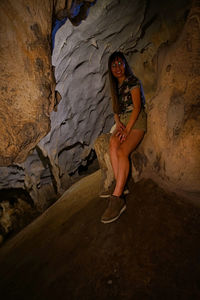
(59, 5)
(102, 150)
(39, 180)
(80, 58)
(1, 239)
(82, 110)
(6, 217)
(15, 214)
(33, 176)
(27, 83)
(75, 10)
(138, 163)
(170, 151)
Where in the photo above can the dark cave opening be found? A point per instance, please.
(16, 211)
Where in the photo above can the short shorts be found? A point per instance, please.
(141, 122)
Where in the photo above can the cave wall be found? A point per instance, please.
(170, 151)
(80, 59)
(60, 140)
(27, 83)
(27, 97)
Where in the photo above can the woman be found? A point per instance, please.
(130, 119)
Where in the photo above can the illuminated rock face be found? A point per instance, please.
(27, 83)
(80, 59)
(170, 151)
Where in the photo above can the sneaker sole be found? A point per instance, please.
(126, 192)
(104, 196)
(115, 218)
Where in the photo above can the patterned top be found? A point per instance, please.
(124, 94)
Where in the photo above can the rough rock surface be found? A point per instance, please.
(80, 59)
(170, 151)
(102, 150)
(27, 99)
(75, 10)
(151, 252)
(27, 83)
(16, 211)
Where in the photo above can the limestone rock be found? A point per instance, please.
(102, 150)
(15, 213)
(170, 151)
(59, 5)
(26, 79)
(6, 217)
(80, 58)
(75, 10)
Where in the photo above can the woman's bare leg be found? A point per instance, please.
(114, 146)
(122, 164)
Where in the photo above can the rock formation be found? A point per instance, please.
(170, 151)
(27, 98)
(148, 33)
(102, 150)
(27, 84)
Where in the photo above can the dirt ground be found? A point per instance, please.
(151, 252)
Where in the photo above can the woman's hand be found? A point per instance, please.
(120, 126)
(120, 130)
(122, 133)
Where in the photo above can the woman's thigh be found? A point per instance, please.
(114, 141)
(132, 140)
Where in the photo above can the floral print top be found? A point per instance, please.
(124, 94)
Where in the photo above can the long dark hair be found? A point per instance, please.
(113, 80)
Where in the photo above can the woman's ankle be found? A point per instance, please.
(116, 194)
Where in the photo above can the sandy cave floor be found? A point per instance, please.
(151, 252)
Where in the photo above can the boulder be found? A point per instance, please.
(169, 153)
(101, 147)
(26, 78)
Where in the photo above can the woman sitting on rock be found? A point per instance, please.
(130, 121)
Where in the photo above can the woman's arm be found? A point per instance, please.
(116, 117)
(119, 125)
(135, 94)
(122, 131)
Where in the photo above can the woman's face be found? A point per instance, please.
(118, 68)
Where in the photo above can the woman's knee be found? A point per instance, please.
(114, 142)
(121, 152)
